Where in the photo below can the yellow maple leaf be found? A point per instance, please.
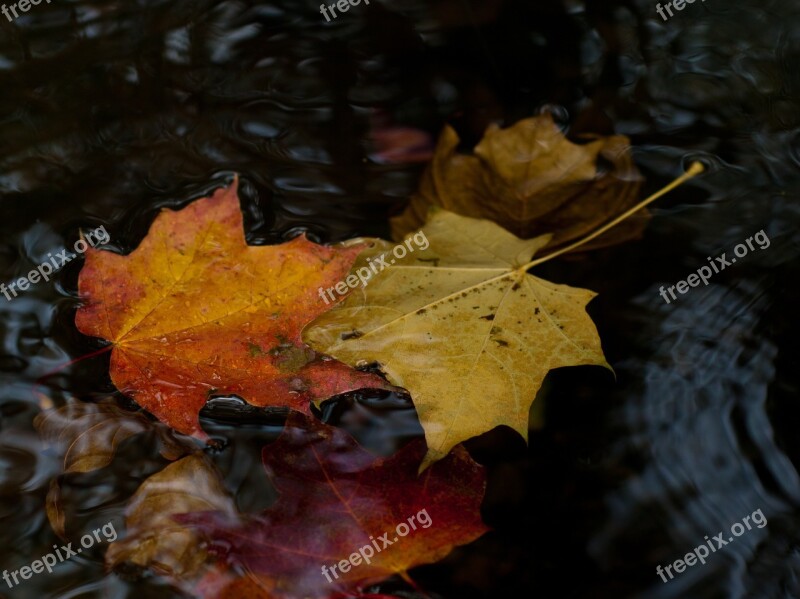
(469, 334)
(464, 327)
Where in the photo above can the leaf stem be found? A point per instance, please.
(695, 169)
(41, 379)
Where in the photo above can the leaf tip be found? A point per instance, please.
(695, 168)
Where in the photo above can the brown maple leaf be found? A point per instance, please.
(532, 181)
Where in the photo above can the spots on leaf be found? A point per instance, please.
(292, 358)
(255, 350)
(435, 261)
(352, 335)
(493, 334)
(298, 384)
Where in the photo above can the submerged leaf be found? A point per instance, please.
(154, 539)
(531, 180)
(336, 499)
(87, 435)
(464, 328)
(194, 311)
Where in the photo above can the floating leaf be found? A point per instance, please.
(464, 328)
(194, 312)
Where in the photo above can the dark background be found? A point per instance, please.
(111, 110)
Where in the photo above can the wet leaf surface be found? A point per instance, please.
(463, 328)
(195, 312)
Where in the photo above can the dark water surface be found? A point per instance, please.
(110, 111)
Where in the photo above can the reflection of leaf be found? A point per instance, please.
(154, 539)
(531, 180)
(464, 328)
(87, 435)
(194, 310)
(334, 498)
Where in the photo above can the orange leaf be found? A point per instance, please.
(194, 312)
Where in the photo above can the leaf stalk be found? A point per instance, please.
(694, 169)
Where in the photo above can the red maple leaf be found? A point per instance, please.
(344, 518)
